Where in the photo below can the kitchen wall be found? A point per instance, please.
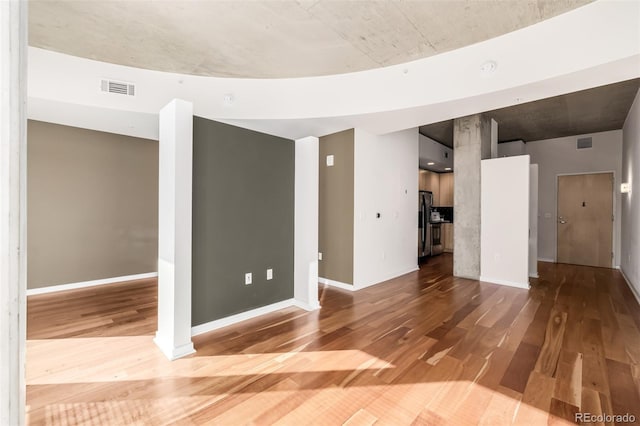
(386, 183)
(336, 198)
(243, 219)
(560, 156)
(631, 202)
(93, 205)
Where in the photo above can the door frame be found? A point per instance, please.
(614, 240)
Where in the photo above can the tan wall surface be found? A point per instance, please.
(335, 222)
(92, 205)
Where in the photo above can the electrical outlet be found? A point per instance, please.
(320, 256)
(269, 274)
(248, 278)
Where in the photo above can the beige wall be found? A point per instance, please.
(558, 157)
(92, 205)
(335, 219)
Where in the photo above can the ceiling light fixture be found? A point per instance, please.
(447, 168)
(488, 67)
(430, 163)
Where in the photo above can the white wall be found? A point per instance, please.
(305, 264)
(533, 220)
(385, 182)
(504, 234)
(630, 203)
(560, 156)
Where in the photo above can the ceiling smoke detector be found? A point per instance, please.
(227, 99)
(488, 67)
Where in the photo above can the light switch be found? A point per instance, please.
(248, 278)
(320, 256)
(269, 274)
(329, 160)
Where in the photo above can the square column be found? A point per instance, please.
(13, 209)
(174, 229)
(472, 144)
(305, 266)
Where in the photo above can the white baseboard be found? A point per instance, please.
(505, 282)
(544, 259)
(243, 316)
(306, 306)
(336, 284)
(73, 286)
(534, 275)
(390, 277)
(173, 353)
(633, 289)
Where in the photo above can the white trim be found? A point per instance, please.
(306, 306)
(534, 275)
(243, 316)
(544, 259)
(633, 289)
(173, 353)
(83, 284)
(392, 276)
(504, 282)
(336, 284)
(349, 287)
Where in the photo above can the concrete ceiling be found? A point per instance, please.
(275, 39)
(588, 111)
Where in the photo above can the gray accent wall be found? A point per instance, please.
(92, 205)
(243, 219)
(335, 219)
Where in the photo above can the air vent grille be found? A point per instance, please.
(584, 143)
(118, 87)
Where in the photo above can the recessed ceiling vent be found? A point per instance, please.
(584, 143)
(118, 87)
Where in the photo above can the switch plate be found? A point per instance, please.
(269, 274)
(248, 278)
(330, 160)
(320, 256)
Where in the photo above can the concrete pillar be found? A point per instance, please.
(13, 212)
(174, 229)
(471, 144)
(306, 223)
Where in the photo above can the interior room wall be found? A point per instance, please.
(386, 183)
(504, 234)
(630, 202)
(335, 219)
(243, 219)
(560, 156)
(509, 149)
(93, 205)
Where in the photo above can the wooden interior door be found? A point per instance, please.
(585, 219)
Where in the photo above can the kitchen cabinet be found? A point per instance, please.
(446, 190)
(447, 237)
(430, 181)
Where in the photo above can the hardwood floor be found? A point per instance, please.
(425, 348)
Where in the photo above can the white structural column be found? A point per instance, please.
(174, 229)
(305, 269)
(13, 166)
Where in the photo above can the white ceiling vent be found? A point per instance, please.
(584, 143)
(118, 87)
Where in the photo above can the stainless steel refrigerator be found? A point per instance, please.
(425, 202)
